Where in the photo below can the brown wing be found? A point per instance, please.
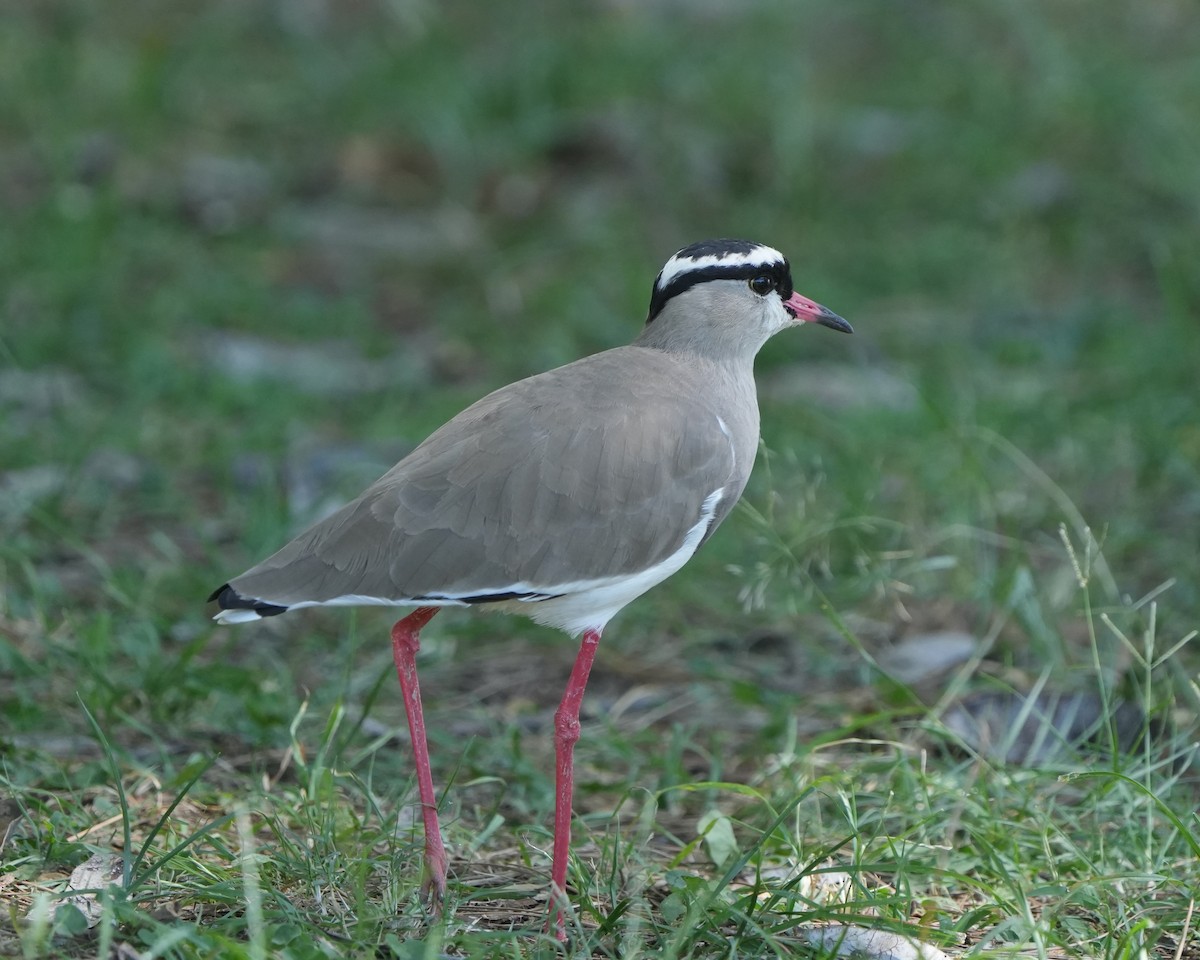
(588, 471)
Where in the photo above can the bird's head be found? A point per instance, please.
(732, 290)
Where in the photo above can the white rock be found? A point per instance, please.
(848, 940)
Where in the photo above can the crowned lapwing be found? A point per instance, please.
(562, 497)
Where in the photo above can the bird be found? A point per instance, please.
(562, 497)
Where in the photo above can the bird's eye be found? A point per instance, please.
(763, 284)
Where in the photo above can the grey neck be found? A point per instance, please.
(712, 322)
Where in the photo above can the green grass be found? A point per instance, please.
(1001, 198)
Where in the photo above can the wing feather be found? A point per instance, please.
(584, 472)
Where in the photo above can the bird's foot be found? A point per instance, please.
(558, 906)
(433, 887)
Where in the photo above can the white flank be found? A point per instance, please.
(678, 265)
(589, 605)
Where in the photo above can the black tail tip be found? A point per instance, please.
(229, 599)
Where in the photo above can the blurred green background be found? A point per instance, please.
(251, 252)
(1001, 196)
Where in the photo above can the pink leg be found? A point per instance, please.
(406, 641)
(566, 733)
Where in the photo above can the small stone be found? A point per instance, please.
(846, 939)
(1050, 727)
(924, 655)
(224, 193)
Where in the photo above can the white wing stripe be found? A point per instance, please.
(575, 605)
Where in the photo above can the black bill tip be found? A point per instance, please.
(827, 318)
